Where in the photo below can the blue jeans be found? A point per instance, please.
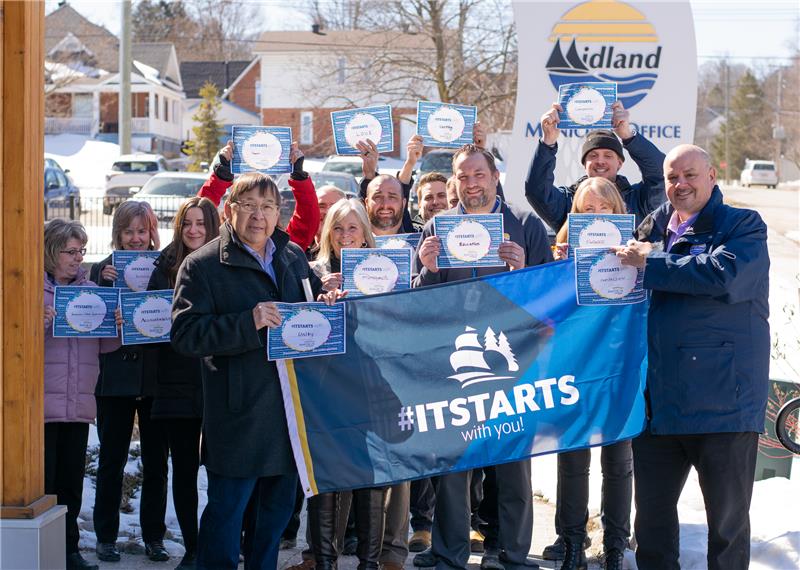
(221, 523)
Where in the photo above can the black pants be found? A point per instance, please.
(422, 503)
(725, 464)
(183, 440)
(64, 466)
(617, 492)
(115, 416)
(290, 532)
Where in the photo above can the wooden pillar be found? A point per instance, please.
(21, 260)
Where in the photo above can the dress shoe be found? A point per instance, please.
(420, 540)
(107, 552)
(475, 541)
(574, 557)
(188, 561)
(77, 562)
(155, 551)
(613, 559)
(425, 559)
(555, 551)
(491, 560)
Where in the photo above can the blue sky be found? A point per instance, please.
(736, 28)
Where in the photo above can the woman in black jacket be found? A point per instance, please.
(178, 404)
(125, 389)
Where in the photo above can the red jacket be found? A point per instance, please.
(302, 226)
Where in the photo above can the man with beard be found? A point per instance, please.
(526, 245)
(431, 197)
(602, 155)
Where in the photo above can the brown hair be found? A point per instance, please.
(470, 149)
(210, 221)
(254, 181)
(124, 216)
(57, 233)
(601, 187)
(427, 179)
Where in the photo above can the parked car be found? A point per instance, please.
(437, 160)
(166, 191)
(127, 176)
(761, 172)
(348, 164)
(61, 196)
(343, 181)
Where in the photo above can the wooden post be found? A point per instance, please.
(21, 260)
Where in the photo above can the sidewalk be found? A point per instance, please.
(543, 534)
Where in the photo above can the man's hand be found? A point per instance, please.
(621, 120)
(479, 134)
(331, 297)
(513, 254)
(369, 158)
(429, 251)
(295, 153)
(549, 123)
(414, 150)
(332, 281)
(118, 318)
(266, 315)
(49, 315)
(634, 253)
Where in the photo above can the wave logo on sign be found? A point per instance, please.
(477, 360)
(606, 40)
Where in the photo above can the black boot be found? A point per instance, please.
(323, 512)
(370, 508)
(574, 557)
(613, 559)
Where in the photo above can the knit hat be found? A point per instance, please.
(601, 139)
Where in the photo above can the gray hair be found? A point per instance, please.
(124, 216)
(57, 233)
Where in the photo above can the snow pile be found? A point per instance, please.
(88, 160)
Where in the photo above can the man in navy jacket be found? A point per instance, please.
(708, 362)
(602, 155)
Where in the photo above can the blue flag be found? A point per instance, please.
(464, 375)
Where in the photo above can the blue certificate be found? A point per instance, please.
(261, 149)
(601, 279)
(396, 241)
(85, 312)
(307, 329)
(586, 105)
(147, 316)
(356, 125)
(134, 268)
(469, 240)
(445, 125)
(599, 230)
(367, 271)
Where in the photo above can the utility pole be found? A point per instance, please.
(778, 133)
(727, 120)
(125, 80)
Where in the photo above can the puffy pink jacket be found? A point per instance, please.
(71, 367)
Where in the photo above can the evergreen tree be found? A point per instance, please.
(489, 340)
(749, 128)
(206, 141)
(505, 349)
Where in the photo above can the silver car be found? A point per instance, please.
(166, 191)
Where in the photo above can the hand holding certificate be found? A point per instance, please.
(147, 316)
(306, 330)
(445, 125)
(469, 240)
(85, 312)
(586, 105)
(353, 126)
(602, 279)
(261, 149)
(134, 268)
(367, 271)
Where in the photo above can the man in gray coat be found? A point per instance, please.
(224, 302)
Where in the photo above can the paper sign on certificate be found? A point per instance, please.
(147, 316)
(357, 125)
(470, 240)
(367, 271)
(601, 279)
(586, 105)
(261, 149)
(85, 312)
(445, 125)
(599, 230)
(134, 268)
(306, 330)
(397, 241)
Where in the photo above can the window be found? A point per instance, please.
(82, 105)
(62, 180)
(258, 94)
(155, 105)
(306, 127)
(50, 180)
(166, 109)
(141, 105)
(341, 68)
(174, 111)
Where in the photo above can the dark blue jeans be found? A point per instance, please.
(221, 523)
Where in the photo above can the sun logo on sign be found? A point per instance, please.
(606, 40)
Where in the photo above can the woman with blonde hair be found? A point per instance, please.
(125, 390)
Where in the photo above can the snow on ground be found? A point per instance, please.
(88, 160)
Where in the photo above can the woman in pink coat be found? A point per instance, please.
(70, 374)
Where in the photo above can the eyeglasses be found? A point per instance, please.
(74, 252)
(250, 207)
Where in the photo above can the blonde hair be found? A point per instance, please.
(336, 214)
(124, 215)
(601, 187)
(57, 233)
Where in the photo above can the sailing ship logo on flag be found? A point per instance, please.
(474, 362)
